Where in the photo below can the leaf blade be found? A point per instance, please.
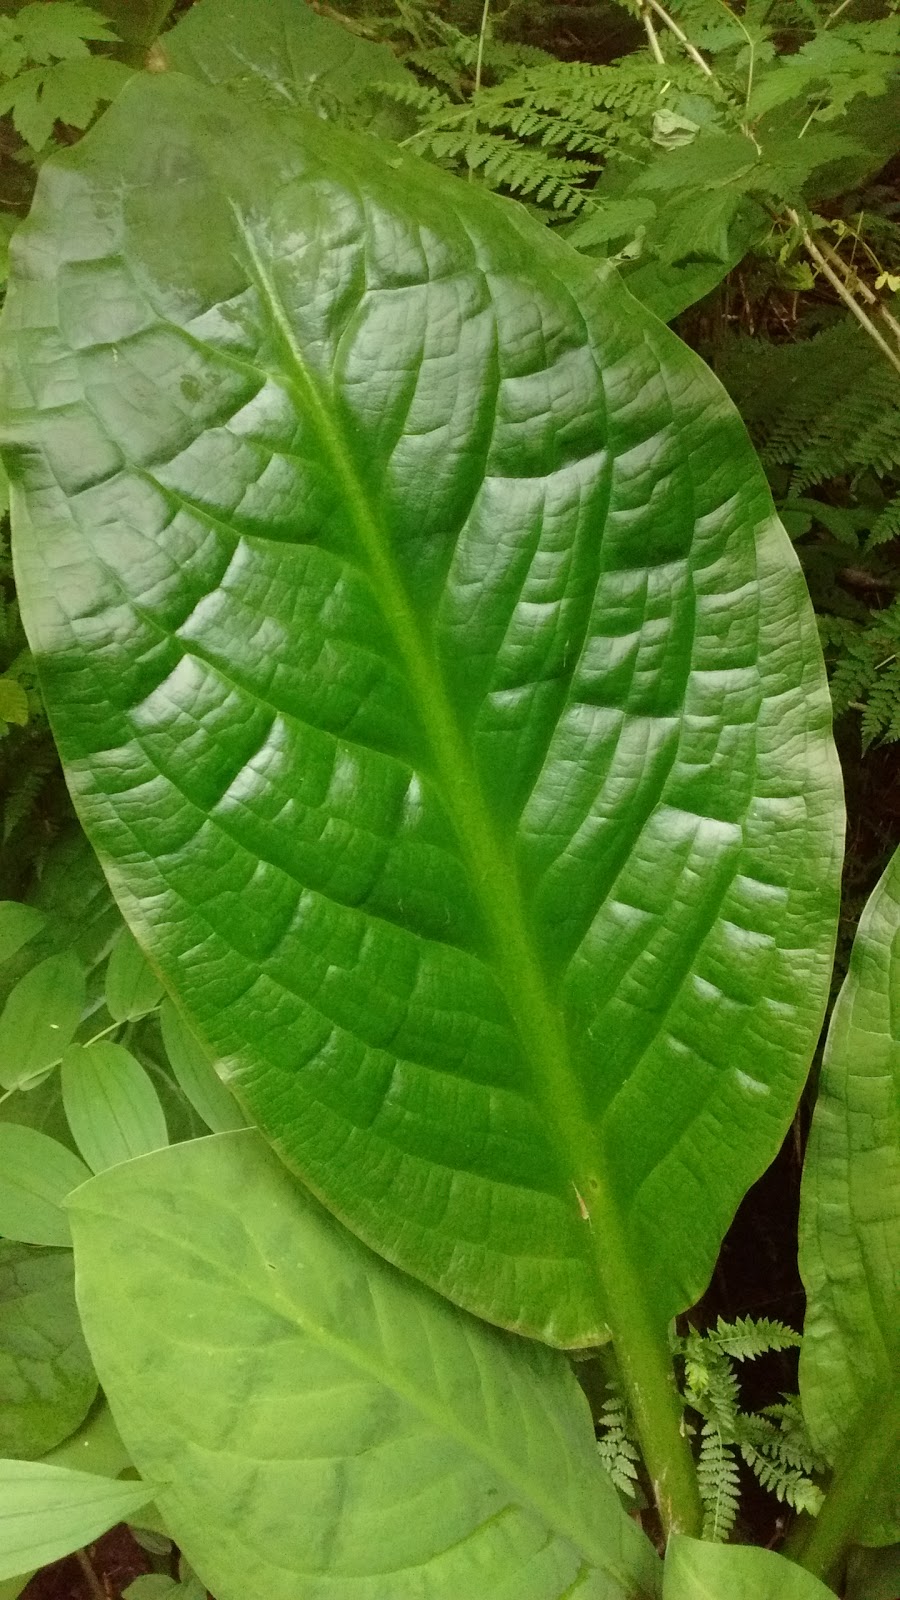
(850, 1211)
(112, 1107)
(493, 1433)
(562, 878)
(47, 1512)
(36, 1175)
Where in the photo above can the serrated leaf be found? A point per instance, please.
(46, 1512)
(60, 30)
(40, 1017)
(47, 1382)
(113, 1109)
(36, 1175)
(18, 925)
(132, 987)
(453, 726)
(850, 1223)
(696, 1570)
(315, 1415)
(66, 91)
(196, 1075)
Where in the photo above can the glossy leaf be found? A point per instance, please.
(47, 1382)
(46, 1512)
(321, 1421)
(850, 1223)
(36, 1175)
(18, 924)
(40, 1017)
(111, 1104)
(196, 1075)
(438, 688)
(132, 987)
(696, 1570)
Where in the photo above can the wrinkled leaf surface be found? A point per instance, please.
(437, 687)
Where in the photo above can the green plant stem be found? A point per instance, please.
(822, 1545)
(645, 1362)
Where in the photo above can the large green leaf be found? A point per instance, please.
(437, 687)
(850, 1224)
(322, 1423)
(700, 1571)
(47, 1383)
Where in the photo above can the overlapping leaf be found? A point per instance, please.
(850, 1224)
(318, 1422)
(437, 687)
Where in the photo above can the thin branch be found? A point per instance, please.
(93, 1582)
(652, 39)
(840, 288)
(479, 60)
(862, 288)
(682, 38)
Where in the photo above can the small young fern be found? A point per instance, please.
(617, 1440)
(773, 1443)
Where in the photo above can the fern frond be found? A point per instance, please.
(749, 1337)
(617, 1444)
(887, 524)
(719, 1483)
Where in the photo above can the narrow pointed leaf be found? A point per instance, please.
(47, 1382)
(322, 1423)
(40, 1017)
(196, 1074)
(36, 1175)
(47, 1512)
(437, 687)
(132, 987)
(850, 1223)
(112, 1107)
(699, 1571)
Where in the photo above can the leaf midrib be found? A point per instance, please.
(493, 876)
(419, 1398)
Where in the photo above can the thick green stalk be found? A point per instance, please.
(821, 1546)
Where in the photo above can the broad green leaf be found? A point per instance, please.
(196, 1074)
(850, 1223)
(40, 1017)
(696, 1570)
(320, 1421)
(42, 1011)
(283, 52)
(46, 1512)
(132, 987)
(113, 1109)
(47, 1382)
(439, 691)
(18, 924)
(36, 1175)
